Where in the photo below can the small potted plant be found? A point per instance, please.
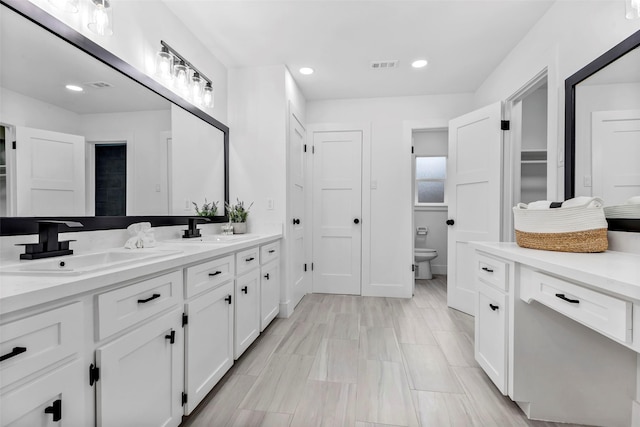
(207, 209)
(238, 216)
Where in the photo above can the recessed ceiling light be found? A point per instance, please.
(74, 88)
(306, 71)
(420, 63)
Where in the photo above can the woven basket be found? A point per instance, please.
(567, 229)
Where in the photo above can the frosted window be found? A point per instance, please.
(431, 173)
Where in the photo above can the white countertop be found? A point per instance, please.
(613, 272)
(23, 291)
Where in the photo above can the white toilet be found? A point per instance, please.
(423, 255)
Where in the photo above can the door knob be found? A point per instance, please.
(450, 222)
(296, 221)
(356, 221)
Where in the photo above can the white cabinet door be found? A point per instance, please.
(269, 293)
(142, 376)
(55, 399)
(247, 311)
(208, 342)
(491, 334)
(474, 184)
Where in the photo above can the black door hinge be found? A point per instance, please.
(184, 398)
(305, 267)
(305, 148)
(412, 149)
(13, 145)
(413, 267)
(313, 149)
(504, 124)
(185, 319)
(94, 374)
(311, 266)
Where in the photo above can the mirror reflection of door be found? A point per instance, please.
(111, 179)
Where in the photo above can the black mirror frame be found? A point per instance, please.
(619, 50)
(28, 225)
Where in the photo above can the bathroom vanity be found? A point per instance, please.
(82, 346)
(556, 332)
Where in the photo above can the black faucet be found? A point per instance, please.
(193, 230)
(48, 244)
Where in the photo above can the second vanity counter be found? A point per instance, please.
(19, 291)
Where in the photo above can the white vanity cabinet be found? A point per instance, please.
(269, 283)
(41, 372)
(491, 328)
(208, 327)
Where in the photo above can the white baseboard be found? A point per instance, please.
(439, 269)
(391, 290)
(286, 309)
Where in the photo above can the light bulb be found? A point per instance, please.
(163, 64)
(207, 96)
(182, 81)
(196, 88)
(100, 20)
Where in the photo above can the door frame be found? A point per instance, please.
(408, 127)
(365, 247)
(90, 168)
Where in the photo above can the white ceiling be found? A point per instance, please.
(462, 40)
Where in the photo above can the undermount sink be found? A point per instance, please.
(82, 264)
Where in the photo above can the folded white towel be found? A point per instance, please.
(142, 236)
(635, 200)
(587, 202)
(540, 204)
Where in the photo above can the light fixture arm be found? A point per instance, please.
(187, 63)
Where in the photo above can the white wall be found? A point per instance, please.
(432, 143)
(391, 202)
(570, 35)
(138, 27)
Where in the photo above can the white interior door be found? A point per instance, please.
(337, 201)
(616, 155)
(50, 169)
(298, 220)
(474, 179)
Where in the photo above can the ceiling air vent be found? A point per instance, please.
(384, 65)
(99, 85)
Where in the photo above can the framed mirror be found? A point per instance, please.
(602, 133)
(119, 149)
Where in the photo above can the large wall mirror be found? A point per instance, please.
(602, 134)
(121, 150)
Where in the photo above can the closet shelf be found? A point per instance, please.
(533, 155)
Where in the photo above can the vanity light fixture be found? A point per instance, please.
(101, 17)
(74, 88)
(70, 6)
(633, 9)
(420, 63)
(173, 69)
(306, 71)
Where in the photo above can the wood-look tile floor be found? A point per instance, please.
(362, 362)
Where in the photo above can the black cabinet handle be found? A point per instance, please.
(450, 222)
(249, 259)
(266, 276)
(16, 351)
(55, 409)
(572, 301)
(244, 289)
(171, 337)
(151, 298)
(272, 251)
(356, 221)
(228, 299)
(296, 221)
(488, 270)
(215, 274)
(493, 307)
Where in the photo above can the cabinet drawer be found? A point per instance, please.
(492, 271)
(606, 314)
(247, 259)
(127, 306)
(269, 252)
(32, 343)
(208, 275)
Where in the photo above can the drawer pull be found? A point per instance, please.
(171, 337)
(152, 297)
(215, 274)
(55, 409)
(266, 276)
(272, 251)
(572, 301)
(249, 259)
(16, 351)
(487, 269)
(228, 299)
(493, 307)
(244, 289)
